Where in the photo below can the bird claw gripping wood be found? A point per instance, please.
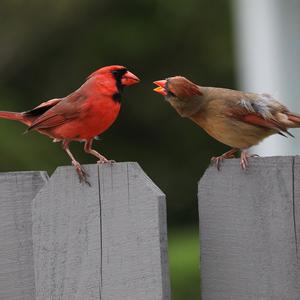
(82, 174)
(107, 161)
(104, 160)
(244, 162)
(217, 160)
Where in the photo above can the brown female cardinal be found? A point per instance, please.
(82, 115)
(237, 119)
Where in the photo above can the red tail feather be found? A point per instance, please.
(14, 116)
(294, 118)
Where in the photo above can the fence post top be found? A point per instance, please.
(43, 174)
(97, 173)
(232, 166)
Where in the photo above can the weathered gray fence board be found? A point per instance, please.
(17, 189)
(297, 207)
(107, 241)
(131, 249)
(66, 237)
(248, 238)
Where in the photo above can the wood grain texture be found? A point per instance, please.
(297, 207)
(16, 253)
(249, 229)
(107, 241)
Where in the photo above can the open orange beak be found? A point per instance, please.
(161, 87)
(129, 79)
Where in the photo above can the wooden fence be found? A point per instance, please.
(63, 240)
(249, 223)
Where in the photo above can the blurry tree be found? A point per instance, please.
(49, 47)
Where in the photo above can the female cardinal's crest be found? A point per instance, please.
(182, 87)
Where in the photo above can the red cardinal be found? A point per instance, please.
(237, 119)
(82, 115)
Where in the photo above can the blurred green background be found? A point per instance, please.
(49, 47)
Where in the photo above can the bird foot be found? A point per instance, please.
(244, 160)
(82, 174)
(217, 160)
(107, 161)
(104, 160)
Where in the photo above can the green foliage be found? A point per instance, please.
(184, 263)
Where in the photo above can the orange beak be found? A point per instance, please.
(129, 79)
(161, 89)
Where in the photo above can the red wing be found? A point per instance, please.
(33, 114)
(51, 121)
(42, 108)
(49, 103)
(258, 120)
(63, 111)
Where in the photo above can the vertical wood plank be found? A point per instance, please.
(248, 238)
(297, 207)
(67, 237)
(16, 254)
(134, 259)
(107, 241)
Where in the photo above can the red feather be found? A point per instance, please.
(258, 120)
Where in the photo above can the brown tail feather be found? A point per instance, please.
(15, 116)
